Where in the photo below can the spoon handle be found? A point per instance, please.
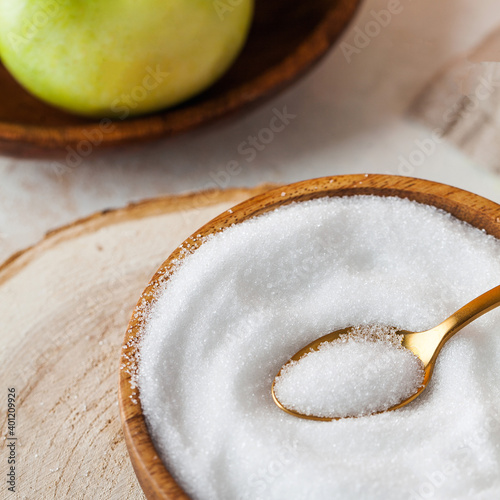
(468, 313)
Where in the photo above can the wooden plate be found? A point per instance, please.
(65, 304)
(286, 38)
(153, 476)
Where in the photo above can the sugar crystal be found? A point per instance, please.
(358, 374)
(236, 309)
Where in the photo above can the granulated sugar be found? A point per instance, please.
(249, 298)
(357, 374)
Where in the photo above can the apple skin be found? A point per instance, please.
(117, 58)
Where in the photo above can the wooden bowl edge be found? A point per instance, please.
(154, 477)
(31, 141)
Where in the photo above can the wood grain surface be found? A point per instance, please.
(285, 40)
(154, 477)
(65, 304)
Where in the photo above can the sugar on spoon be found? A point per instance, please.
(425, 345)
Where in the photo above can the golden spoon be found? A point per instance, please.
(425, 345)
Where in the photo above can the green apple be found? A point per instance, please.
(120, 57)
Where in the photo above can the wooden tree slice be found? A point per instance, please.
(65, 304)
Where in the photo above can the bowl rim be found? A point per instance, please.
(35, 140)
(154, 477)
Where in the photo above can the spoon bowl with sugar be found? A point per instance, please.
(364, 370)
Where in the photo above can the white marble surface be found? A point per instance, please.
(351, 117)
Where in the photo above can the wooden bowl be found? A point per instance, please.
(286, 38)
(153, 475)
